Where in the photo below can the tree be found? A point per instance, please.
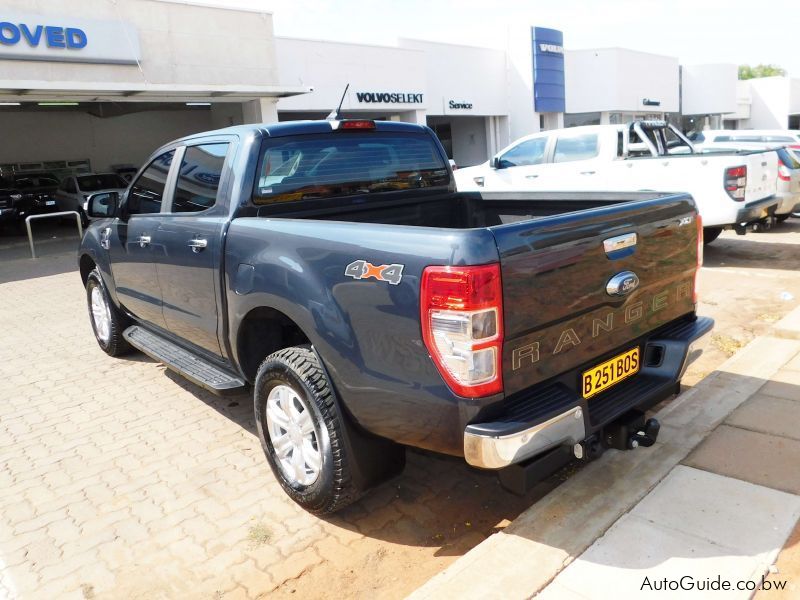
(748, 72)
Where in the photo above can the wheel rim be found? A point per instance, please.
(294, 439)
(101, 315)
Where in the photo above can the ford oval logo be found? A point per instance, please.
(622, 284)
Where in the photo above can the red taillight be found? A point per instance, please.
(695, 289)
(357, 124)
(736, 182)
(461, 310)
(783, 171)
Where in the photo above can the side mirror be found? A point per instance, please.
(496, 163)
(103, 205)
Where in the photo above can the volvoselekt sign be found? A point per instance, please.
(389, 97)
(25, 36)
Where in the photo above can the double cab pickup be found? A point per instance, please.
(332, 268)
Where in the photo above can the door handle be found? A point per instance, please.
(197, 244)
(143, 240)
(531, 176)
(587, 172)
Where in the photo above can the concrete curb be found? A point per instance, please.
(789, 326)
(519, 561)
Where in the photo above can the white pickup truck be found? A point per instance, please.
(732, 190)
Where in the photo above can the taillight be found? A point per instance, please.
(695, 289)
(461, 310)
(783, 171)
(736, 182)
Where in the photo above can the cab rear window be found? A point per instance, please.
(343, 163)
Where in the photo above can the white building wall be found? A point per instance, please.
(615, 79)
(522, 119)
(769, 103)
(709, 89)
(464, 75)
(329, 66)
(129, 138)
(180, 44)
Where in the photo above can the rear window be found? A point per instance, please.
(346, 163)
(93, 183)
(33, 181)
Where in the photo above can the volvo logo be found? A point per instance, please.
(622, 284)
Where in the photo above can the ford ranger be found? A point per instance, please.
(332, 267)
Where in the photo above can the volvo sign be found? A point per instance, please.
(548, 70)
(25, 36)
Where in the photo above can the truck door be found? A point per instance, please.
(189, 234)
(574, 160)
(131, 242)
(520, 167)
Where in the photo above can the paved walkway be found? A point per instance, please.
(717, 497)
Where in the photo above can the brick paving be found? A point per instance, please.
(119, 479)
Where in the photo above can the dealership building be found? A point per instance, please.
(103, 88)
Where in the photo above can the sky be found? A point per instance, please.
(696, 31)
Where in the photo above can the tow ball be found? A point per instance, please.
(632, 432)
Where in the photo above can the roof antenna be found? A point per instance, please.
(334, 116)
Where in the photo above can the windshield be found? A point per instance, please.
(93, 183)
(347, 163)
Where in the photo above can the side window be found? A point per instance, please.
(198, 178)
(147, 192)
(576, 147)
(527, 153)
(70, 185)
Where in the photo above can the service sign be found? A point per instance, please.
(27, 36)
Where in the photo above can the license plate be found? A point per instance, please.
(50, 203)
(610, 373)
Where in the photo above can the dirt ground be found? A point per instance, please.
(408, 530)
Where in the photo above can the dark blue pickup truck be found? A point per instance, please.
(333, 267)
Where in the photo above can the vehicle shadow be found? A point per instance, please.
(437, 501)
(753, 251)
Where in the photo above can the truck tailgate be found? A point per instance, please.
(762, 175)
(558, 314)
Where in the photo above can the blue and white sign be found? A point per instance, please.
(548, 70)
(25, 36)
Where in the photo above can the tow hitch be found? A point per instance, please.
(627, 433)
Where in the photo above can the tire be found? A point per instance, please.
(292, 378)
(782, 218)
(107, 327)
(710, 234)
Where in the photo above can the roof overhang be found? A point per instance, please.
(37, 90)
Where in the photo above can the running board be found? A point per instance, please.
(197, 370)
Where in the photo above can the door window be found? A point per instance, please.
(530, 152)
(198, 178)
(577, 147)
(147, 192)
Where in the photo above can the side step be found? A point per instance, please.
(195, 369)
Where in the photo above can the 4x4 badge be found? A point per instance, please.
(361, 269)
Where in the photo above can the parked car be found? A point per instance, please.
(74, 190)
(788, 186)
(24, 194)
(732, 190)
(372, 307)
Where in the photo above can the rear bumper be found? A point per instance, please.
(569, 419)
(756, 211)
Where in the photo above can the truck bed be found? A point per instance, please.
(455, 210)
